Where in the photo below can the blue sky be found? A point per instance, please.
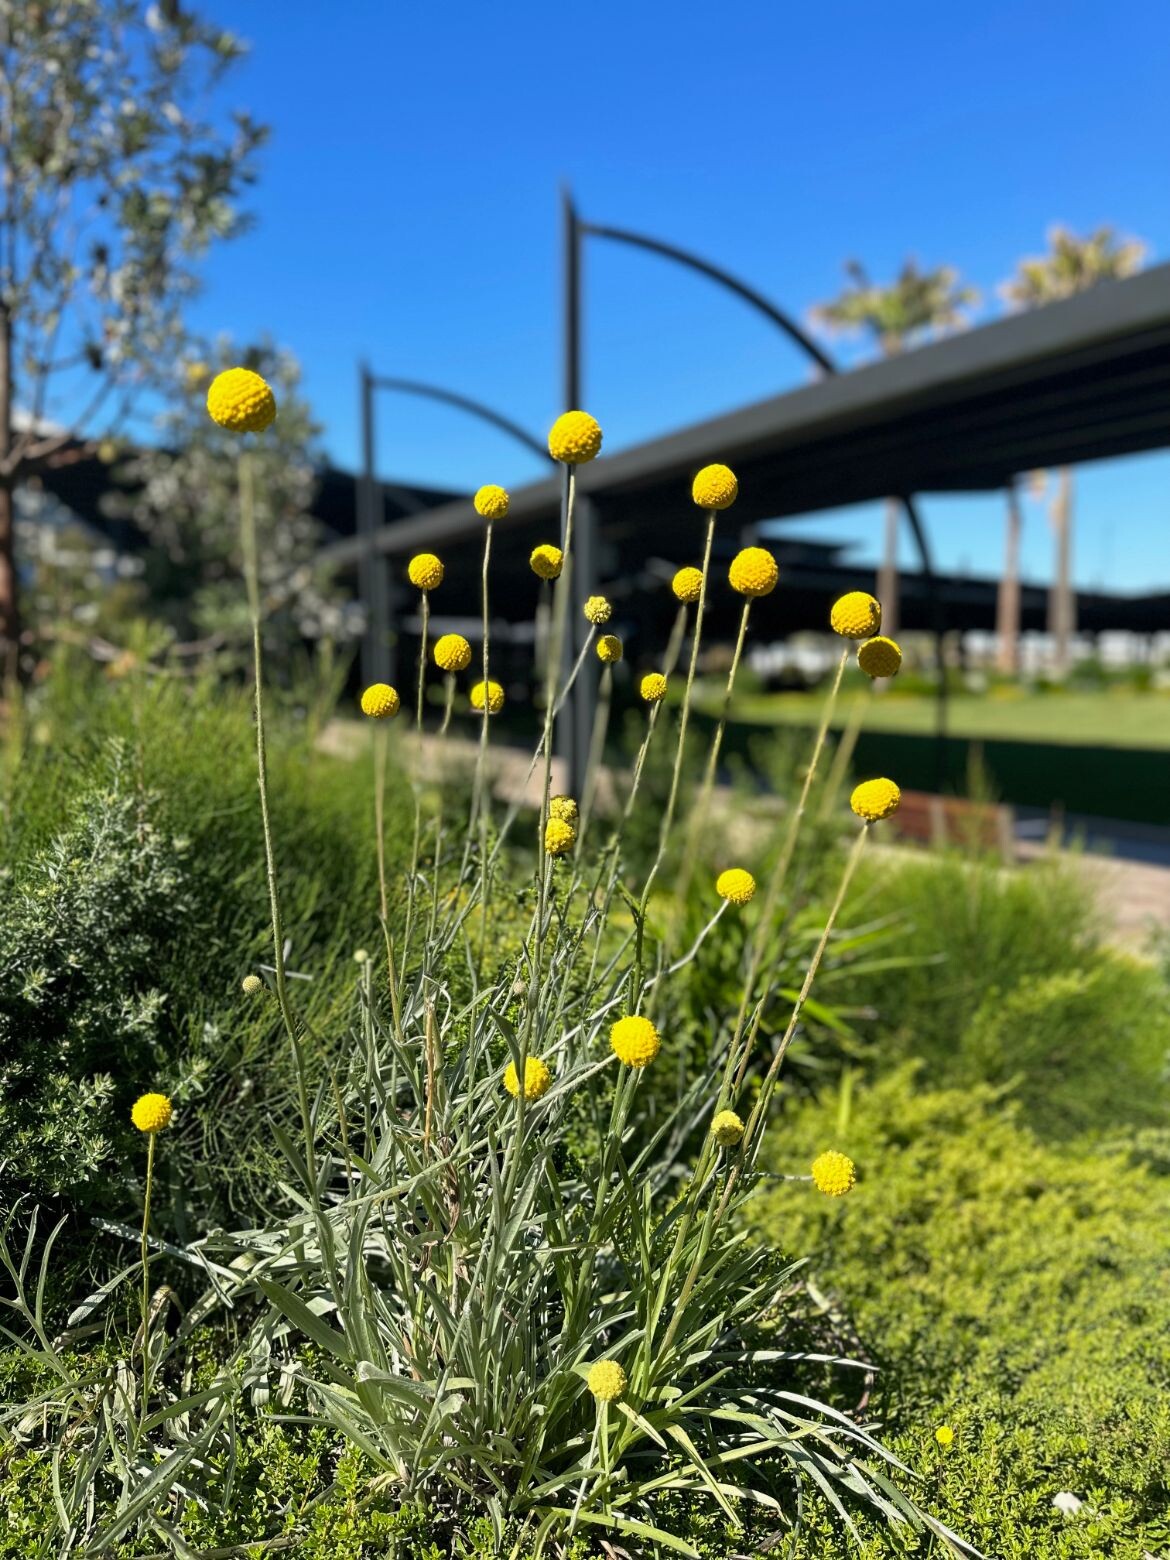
(407, 210)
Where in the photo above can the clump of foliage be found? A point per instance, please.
(1029, 1315)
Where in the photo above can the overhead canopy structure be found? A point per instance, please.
(1081, 380)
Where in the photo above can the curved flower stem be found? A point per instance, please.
(252, 582)
(146, 1274)
(777, 878)
(481, 791)
(416, 837)
(380, 737)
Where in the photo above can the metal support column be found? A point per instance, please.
(576, 722)
(377, 659)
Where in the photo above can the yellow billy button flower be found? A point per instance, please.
(715, 487)
(607, 1381)
(879, 657)
(574, 438)
(452, 653)
(380, 701)
(653, 687)
(425, 571)
(753, 572)
(634, 1041)
(564, 808)
(546, 561)
(250, 985)
(875, 799)
(727, 1129)
(241, 401)
(537, 1079)
(491, 502)
(688, 584)
(736, 885)
(856, 615)
(559, 837)
(944, 1435)
(151, 1112)
(489, 693)
(609, 648)
(833, 1173)
(597, 610)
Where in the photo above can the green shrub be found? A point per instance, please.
(1012, 1290)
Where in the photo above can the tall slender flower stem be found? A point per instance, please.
(146, 1274)
(252, 582)
(419, 760)
(379, 736)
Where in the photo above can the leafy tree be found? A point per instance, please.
(915, 305)
(113, 183)
(1072, 265)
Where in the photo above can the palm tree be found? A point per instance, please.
(915, 306)
(1072, 265)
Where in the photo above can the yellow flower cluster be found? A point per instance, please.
(607, 1381)
(425, 571)
(250, 985)
(241, 401)
(564, 808)
(736, 885)
(688, 585)
(880, 657)
(609, 648)
(559, 837)
(715, 487)
(875, 799)
(452, 653)
(537, 1079)
(489, 693)
(833, 1173)
(634, 1041)
(856, 615)
(491, 502)
(653, 687)
(944, 1435)
(546, 561)
(151, 1112)
(574, 438)
(380, 701)
(597, 610)
(727, 1129)
(753, 572)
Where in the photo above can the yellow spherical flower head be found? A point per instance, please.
(880, 657)
(380, 701)
(452, 653)
(564, 808)
(425, 571)
(944, 1435)
(250, 985)
(653, 687)
(607, 1381)
(736, 885)
(597, 610)
(490, 694)
(727, 1129)
(715, 487)
(537, 1079)
(547, 561)
(559, 837)
(491, 502)
(688, 584)
(833, 1173)
(634, 1041)
(856, 615)
(151, 1112)
(753, 572)
(609, 649)
(574, 438)
(875, 799)
(241, 401)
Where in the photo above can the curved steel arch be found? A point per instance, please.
(465, 403)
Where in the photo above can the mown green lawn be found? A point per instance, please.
(1110, 718)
